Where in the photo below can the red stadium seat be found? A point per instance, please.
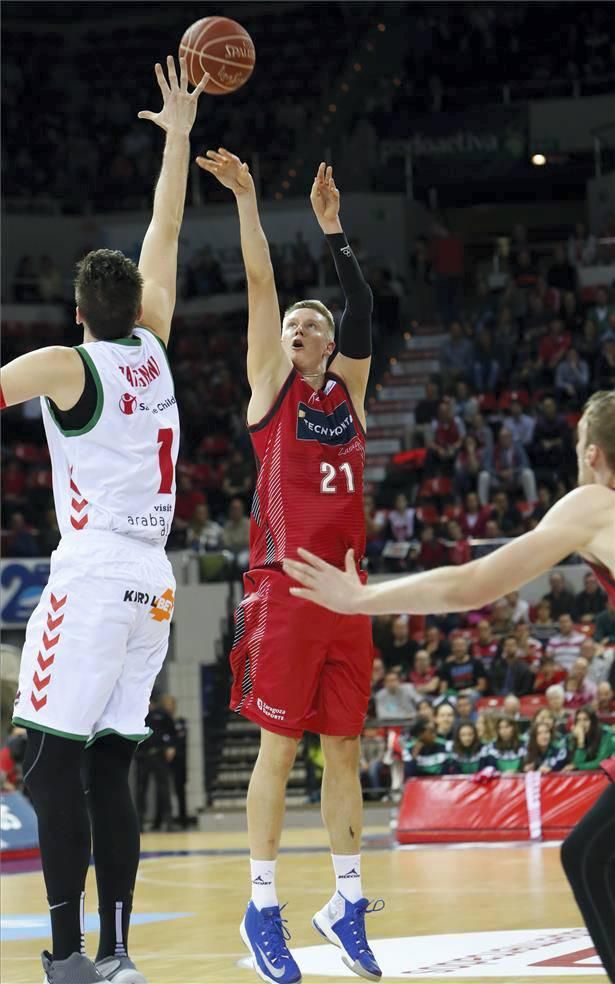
(415, 458)
(507, 397)
(587, 628)
(453, 512)
(428, 514)
(432, 487)
(489, 703)
(487, 403)
(531, 704)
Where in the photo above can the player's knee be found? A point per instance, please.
(341, 751)
(278, 753)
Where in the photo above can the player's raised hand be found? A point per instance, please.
(339, 591)
(228, 169)
(325, 199)
(178, 105)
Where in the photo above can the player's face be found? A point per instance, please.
(306, 338)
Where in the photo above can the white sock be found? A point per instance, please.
(263, 883)
(347, 869)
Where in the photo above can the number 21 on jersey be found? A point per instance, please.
(332, 477)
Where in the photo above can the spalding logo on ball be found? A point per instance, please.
(221, 47)
(128, 403)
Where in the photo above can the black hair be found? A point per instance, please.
(108, 291)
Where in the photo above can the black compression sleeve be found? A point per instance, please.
(355, 340)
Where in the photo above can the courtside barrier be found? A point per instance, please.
(506, 807)
(18, 828)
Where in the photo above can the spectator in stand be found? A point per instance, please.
(424, 675)
(519, 607)
(49, 281)
(501, 620)
(590, 601)
(460, 551)
(519, 424)
(373, 747)
(562, 274)
(510, 674)
(426, 710)
(512, 707)
(565, 645)
(507, 750)
(25, 285)
(436, 645)
(456, 355)
(549, 673)
(382, 631)
(378, 674)
(530, 649)
(588, 344)
(468, 755)
(546, 752)
(375, 522)
(432, 552)
(446, 256)
(485, 647)
(486, 724)
(600, 660)
(600, 312)
(49, 535)
(556, 703)
(445, 441)
(465, 405)
(605, 625)
(604, 372)
(399, 655)
(463, 672)
(544, 503)
(572, 378)
(524, 270)
(395, 699)
(445, 722)
(485, 367)
(425, 754)
(492, 532)
(427, 408)
(12, 754)
(560, 597)
(581, 246)
(21, 541)
(465, 709)
(236, 533)
(551, 445)
(506, 515)
(553, 347)
(238, 480)
(605, 701)
(204, 275)
(590, 742)
(474, 516)
(580, 690)
(188, 498)
(480, 429)
(469, 464)
(401, 519)
(203, 534)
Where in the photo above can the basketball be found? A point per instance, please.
(221, 47)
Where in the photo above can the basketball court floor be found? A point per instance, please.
(463, 913)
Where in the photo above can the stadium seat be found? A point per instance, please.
(489, 703)
(587, 628)
(428, 514)
(432, 487)
(487, 403)
(532, 703)
(507, 397)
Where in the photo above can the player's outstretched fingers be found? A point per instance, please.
(207, 165)
(299, 572)
(172, 71)
(162, 81)
(215, 156)
(197, 92)
(349, 562)
(303, 593)
(183, 74)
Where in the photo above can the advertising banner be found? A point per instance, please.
(22, 583)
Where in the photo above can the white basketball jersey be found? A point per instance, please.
(117, 473)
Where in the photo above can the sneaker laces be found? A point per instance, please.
(363, 908)
(277, 934)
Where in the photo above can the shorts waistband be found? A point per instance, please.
(86, 540)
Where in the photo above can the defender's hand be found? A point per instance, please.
(339, 591)
(229, 171)
(325, 199)
(178, 105)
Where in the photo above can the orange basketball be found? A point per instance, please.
(221, 47)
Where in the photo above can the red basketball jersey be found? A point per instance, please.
(310, 454)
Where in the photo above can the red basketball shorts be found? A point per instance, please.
(298, 667)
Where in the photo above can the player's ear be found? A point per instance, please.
(78, 316)
(330, 349)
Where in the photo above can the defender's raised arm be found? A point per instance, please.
(158, 260)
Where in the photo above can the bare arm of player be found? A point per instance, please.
(268, 364)
(325, 199)
(158, 260)
(56, 372)
(572, 524)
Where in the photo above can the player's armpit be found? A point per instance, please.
(355, 374)
(56, 372)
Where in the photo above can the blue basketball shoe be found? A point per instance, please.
(343, 924)
(265, 934)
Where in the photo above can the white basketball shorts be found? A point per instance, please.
(97, 638)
